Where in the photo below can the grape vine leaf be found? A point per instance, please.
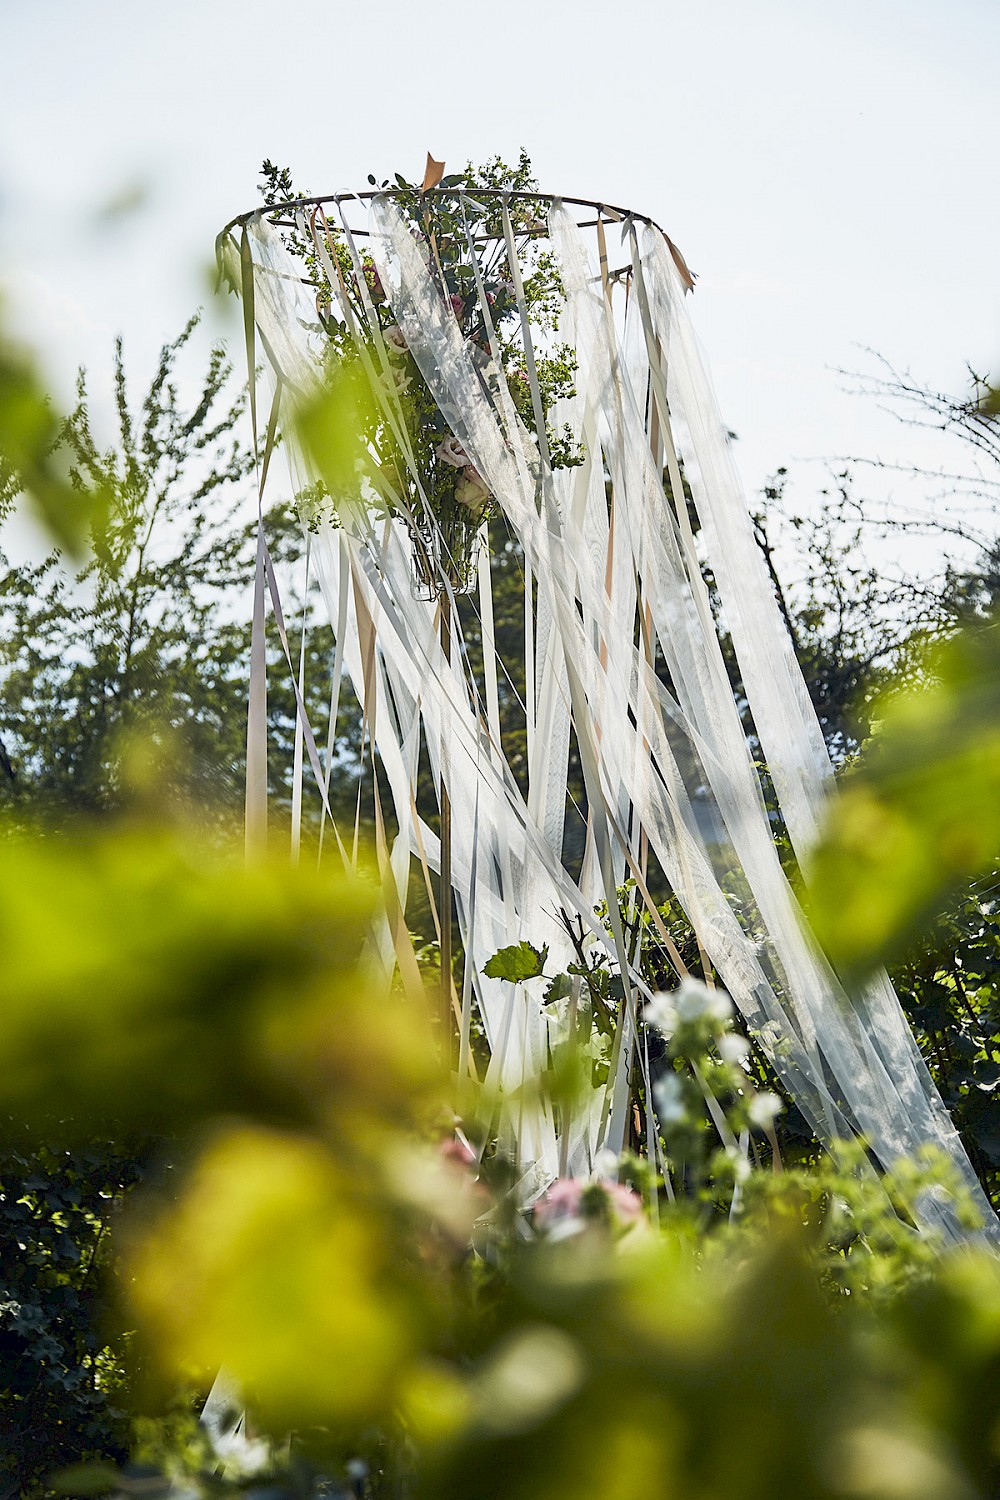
(517, 963)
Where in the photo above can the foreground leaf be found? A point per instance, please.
(919, 817)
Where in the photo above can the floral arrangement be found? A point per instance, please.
(434, 487)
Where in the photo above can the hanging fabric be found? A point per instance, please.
(613, 747)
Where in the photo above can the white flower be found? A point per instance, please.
(450, 451)
(661, 1013)
(531, 1374)
(394, 340)
(764, 1109)
(739, 1164)
(398, 380)
(605, 1166)
(733, 1048)
(695, 1000)
(472, 490)
(668, 1095)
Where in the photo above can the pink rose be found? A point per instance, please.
(583, 1198)
(457, 304)
(561, 1200)
(394, 340)
(626, 1205)
(472, 491)
(450, 451)
(457, 1149)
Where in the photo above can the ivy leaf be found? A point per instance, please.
(517, 963)
(558, 988)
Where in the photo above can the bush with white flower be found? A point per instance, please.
(709, 1108)
(706, 1099)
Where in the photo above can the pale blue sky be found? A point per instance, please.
(828, 169)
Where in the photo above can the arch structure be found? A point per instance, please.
(534, 394)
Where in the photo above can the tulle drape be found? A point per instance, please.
(625, 670)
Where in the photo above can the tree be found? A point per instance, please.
(131, 651)
(126, 679)
(861, 635)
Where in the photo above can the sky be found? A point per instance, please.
(827, 169)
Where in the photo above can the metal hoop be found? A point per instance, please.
(604, 210)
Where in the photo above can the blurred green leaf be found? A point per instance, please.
(331, 425)
(30, 447)
(150, 982)
(666, 1372)
(919, 816)
(85, 1479)
(275, 1265)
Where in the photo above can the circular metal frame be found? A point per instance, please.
(609, 211)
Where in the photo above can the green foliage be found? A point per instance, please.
(124, 682)
(517, 963)
(172, 987)
(275, 1222)
(949, 979)
(124, 675)
(657, 1371)
(61, 1396)
(116, 948)
(920, 818)
(906, 875)
(236, 1265)
(310, 1239)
